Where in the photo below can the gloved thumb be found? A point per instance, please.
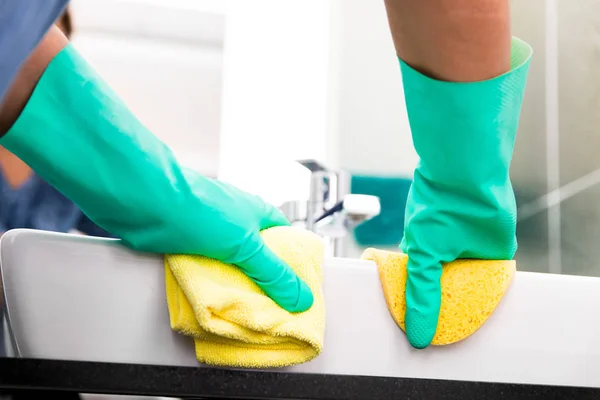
(272, 216)
(277, 280)
(423, 301)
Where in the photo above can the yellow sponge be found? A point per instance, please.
(471, 290)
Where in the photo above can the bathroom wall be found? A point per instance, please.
(235, 92)
(533, 152)
(557, 168)
(578, 62)
(165, 60)
(275, 94)
(369, 121)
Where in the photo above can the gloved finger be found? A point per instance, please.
(272, 216)
(423, 301)
(277, 280)
(267, 215)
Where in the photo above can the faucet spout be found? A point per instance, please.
(330, 210)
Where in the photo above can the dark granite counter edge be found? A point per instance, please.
(209, 383)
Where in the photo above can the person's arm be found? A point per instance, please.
(452, 40)
(22, 87)
(464, 79)
(80, 137)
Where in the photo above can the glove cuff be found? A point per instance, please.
(459, 127)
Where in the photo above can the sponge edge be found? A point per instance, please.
(471, 291)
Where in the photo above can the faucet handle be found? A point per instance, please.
(347, 214)
(312, 165)
(356, 208)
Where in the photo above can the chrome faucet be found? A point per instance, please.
(330, 209)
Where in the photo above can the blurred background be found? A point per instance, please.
(240, 89)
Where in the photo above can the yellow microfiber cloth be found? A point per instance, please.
(232, 321)
(471, 290)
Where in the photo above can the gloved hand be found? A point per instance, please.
(78, 136)
(461, 203)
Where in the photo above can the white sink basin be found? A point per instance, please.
(81, 298)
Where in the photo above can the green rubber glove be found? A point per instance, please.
(78, 136)
(461, 203)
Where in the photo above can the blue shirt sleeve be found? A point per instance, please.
(23, 23)
(88, 227)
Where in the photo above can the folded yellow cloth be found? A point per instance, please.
(232, 321)
(471, 290)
